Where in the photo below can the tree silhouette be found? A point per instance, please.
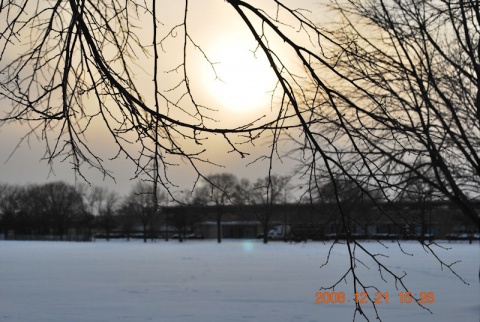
(140, 203)
(268, 191)
(219, 190)
(9, 207)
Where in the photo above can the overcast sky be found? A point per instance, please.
(222, 35)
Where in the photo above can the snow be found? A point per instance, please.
(234, 281)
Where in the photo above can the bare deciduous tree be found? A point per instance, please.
(243, 192)
(140, 202)
(107, 207)
(268, 191)
(218, 190)
(9, 207)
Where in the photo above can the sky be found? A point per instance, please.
(241, 93)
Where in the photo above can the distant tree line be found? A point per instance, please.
(62, 211)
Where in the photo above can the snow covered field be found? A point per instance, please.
(202, 281)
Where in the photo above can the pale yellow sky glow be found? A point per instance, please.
(245, 80)
(242, 93)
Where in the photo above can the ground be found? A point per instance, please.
(234, 281)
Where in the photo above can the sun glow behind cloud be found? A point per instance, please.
(243, 81)
(230, 73)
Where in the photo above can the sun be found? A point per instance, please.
(242, 81)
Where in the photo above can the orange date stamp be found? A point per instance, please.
(379, 298)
